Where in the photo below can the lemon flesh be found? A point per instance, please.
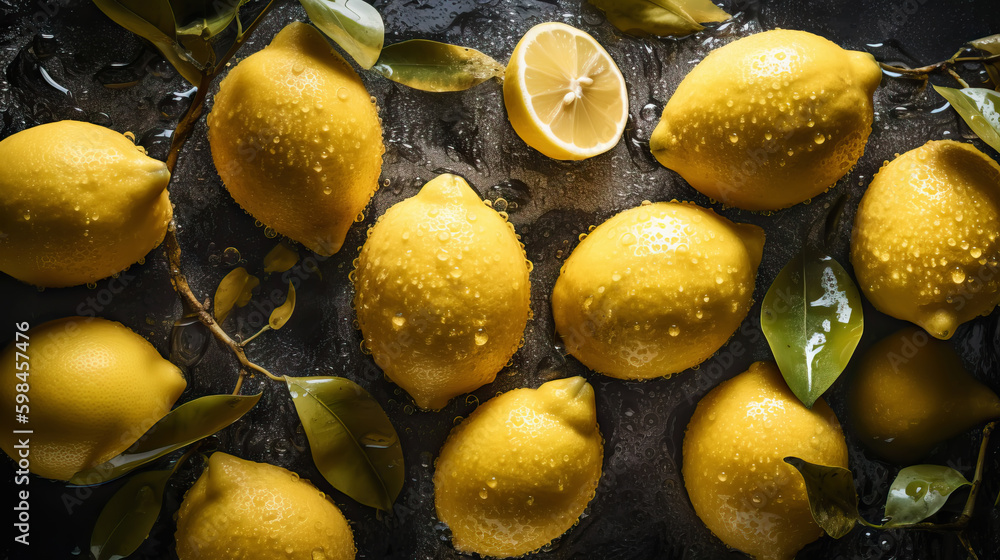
(78, 203)
(521, 469)
(656, 289)
(565, 96)
(769, 120)
(442, 292)
(96, 386)
(911, 392)
(733, 462)
(924, 245)
(242, 510)
(297, 140)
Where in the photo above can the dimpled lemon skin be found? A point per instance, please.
(769, 120)
(297, 140)
(242, 510)
(911, 392)
(442, 292)
(924, 245)
(521, 469)
(95, 387)
(733, 462)
(656, 289)
(78, 203)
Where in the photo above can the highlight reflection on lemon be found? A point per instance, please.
(656, 289)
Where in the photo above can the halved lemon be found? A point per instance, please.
(565, 96)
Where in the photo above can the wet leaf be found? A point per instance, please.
(153, 20)
(979, 108)
(990, 45)
(184, 425)
(197, 18)
(352, 441)
(919, 492)
(354, 25)
(812, 319)
(660, 17)
(433, 66)
(280, 259)
(832, 498)
(127, 518)
(235, 290)
(283, 312)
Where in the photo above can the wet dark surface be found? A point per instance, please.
(58, 65)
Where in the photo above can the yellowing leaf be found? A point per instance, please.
(283, 312)
(660, 17)
(353, 443)
(354, 25)
(812, 319)
(280, 259)
(127, 518)
(434, 66)
(235, 290)
(979, 108)
(832, 498)
(919, 492)
(184, 425)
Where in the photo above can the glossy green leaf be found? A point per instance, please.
(919, 492)
(812, 319)
(184, 425)
(280, 259)
(353, 442)
(153, 20)
(354, 25)
(990, 45)
(283, 312)
(833, 500)
(235, 290)
(660, 17)
(127, 518)
(434, 66)
(979, 108)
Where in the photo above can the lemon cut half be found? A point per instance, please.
(565, 96)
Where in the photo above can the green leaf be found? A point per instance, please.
(433, 66)
(833, 500)
(979, 108)
(127, 518)
(197, 18)
(280, 259)
(153, 20)
(660, 17)
(352, 441)
(919, 492)
(354, 25)
(990, 45)
(283, 312)
(235, 290)
(812, 319)
(184, 425)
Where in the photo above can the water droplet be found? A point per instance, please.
(958, 276)
(492, 482)
(342, 93)
(482, 338)
(230, 256)
(723, 476)
(734, 138)
(483, 494)
(674, 330)
(398, 320)
(819, 138)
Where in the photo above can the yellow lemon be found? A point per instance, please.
(910, 392)
(769, 120)
(297, 139)
(521, 469)
(924, 245)
(656, 289)
(565, 96)
(94, 386)
(442, 292)
(734, 469)
(242, 510)
(78, 203)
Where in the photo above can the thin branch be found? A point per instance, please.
(922, 72)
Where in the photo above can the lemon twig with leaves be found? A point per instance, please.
(923, 72)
